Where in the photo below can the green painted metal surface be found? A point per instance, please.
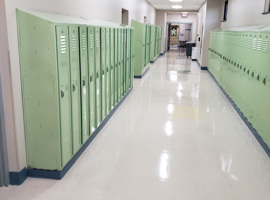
(139, 47)
(85, 107)
(72, 73)
(239, 61)
(92, 79)
(103, 74)
(75, 87)
(108, 71)
(112, 52)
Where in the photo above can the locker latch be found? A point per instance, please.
(103, 72)
(97, 75)
(91, 78)
(111, 67)
(83, 82)
(74, 88)
(107, 69)
(62, 93)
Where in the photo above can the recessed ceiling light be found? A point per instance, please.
(175, 0)
(176, 6)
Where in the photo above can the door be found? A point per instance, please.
(116, 64)
(64, 89)
(103, 74)
(112, 68)
(85, 107)
(92, 79)
(75, 87)
(98, 76)
(108, 71)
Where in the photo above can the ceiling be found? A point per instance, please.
(167, 4)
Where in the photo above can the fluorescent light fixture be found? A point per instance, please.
(176, 6)
(175, 0)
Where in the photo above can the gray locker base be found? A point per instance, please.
(249, 125)
(152, 61)
(202, 67)
(50, 174)
(17, 178)
(143, 73)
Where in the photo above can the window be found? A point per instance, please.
(266, 7)
(124, 16)
(225, 11)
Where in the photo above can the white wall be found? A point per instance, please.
(7, 93)
(96, 9)
(245, 13)
(201, 27)
(161, 18)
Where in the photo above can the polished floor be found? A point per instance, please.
(176, 137)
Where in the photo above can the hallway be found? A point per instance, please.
(175, 137)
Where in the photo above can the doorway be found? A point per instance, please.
(178, 34)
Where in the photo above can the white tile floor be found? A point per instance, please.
(176, 137)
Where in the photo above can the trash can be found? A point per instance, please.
(189, 46)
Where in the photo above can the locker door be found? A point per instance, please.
(144, 45)
(108, 70)
(112, 69)
(119, 66)
(116, 63)
(98, 76)
(65, 100)
(84, 84)
(103, 74)
(92, 79)
(124, 60)
(75, 86)
(128, 60)
(121, 63)
(131, 57)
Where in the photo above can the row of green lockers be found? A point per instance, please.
(147, 45)
(239, 60)
(72, 76)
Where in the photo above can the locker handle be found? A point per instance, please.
(62, 93)
(107, 69)
(103, 72)
(97, 75)
(83, 82)
(111, 67)
(74, 87)
(258, 77)
(264, 81)
(252, 74)
(91, 79)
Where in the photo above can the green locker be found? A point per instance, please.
(139, 48)
(112, 38)
(121, 63)
(46, 88)
(92, 79)
(75, 87)
(119, 77)
(131, 56)
(98, 76)
(86, 124)
(128, 60)
(103, 73)
(153, 43)
(148, 44)
(108, 71)
(65, 92)
(124, 60)
(116, 65)
(72, 75)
